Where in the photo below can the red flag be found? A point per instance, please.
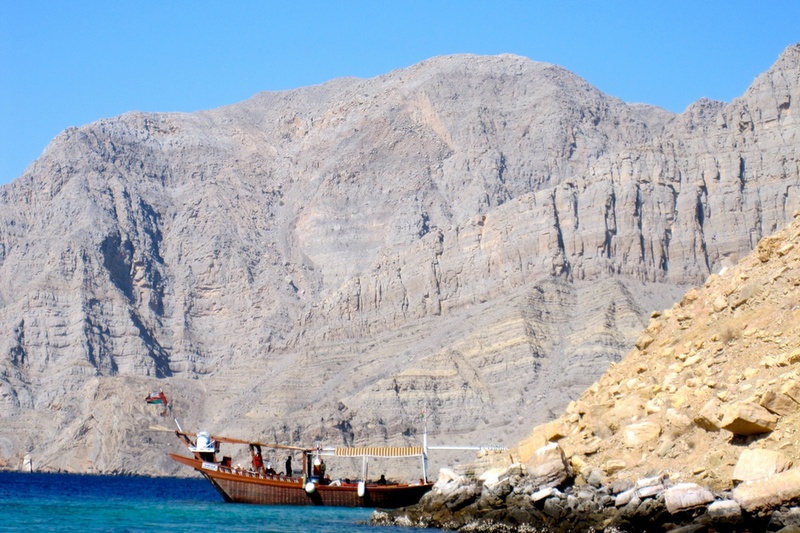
(157, 397)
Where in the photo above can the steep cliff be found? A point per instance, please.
(702, 371)
(479, 235)
(696, 429)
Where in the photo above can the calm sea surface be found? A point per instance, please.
(65, 502)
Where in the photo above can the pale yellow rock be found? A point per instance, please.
(691, 360)
(770, 492)
(555, 430)
(572, 407)
(548, 467)
(632, 384)
(625, 410)
(758, 464)
(746, 418)
(679, 397)
(708, 418)
(637, 434)
(590, 446)
(612, 466)
(792, 389)
(778, 403)
(685, 496)
(644, 341)
(690, 296)
(785, 249)
(446, 476)
(652, 406)
(528, 446)
(720, 303)
(577, 463)
(677, 419)
(499, 469)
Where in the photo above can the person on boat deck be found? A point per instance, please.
(382, 480)
(271, 471)
(258, 462)
(317, 469)
(289, 466)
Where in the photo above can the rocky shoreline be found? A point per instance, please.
(545, 497)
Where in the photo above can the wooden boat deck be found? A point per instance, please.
(245, 486)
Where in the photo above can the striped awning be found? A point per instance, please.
(386, 451)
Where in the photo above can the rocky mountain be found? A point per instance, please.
(477, 236)
(697, 427)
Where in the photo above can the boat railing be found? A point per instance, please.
(258, 475)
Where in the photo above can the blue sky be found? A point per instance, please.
(68, 63)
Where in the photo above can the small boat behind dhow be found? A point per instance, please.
(261, 484)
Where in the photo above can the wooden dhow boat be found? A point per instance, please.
(262, 485)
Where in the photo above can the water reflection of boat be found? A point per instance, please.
(260, 484)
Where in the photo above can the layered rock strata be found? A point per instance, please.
(478, 236)
(695, 428)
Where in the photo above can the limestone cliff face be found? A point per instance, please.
(481, 235)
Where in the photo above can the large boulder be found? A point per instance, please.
(779, 403)
(548, 467)
(684, 496)
(747, 418)
(758, 464)
(770, 492)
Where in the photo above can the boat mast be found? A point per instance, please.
(425, 444)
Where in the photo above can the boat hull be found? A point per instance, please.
(281, 490)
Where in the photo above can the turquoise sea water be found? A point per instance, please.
(76, 503)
